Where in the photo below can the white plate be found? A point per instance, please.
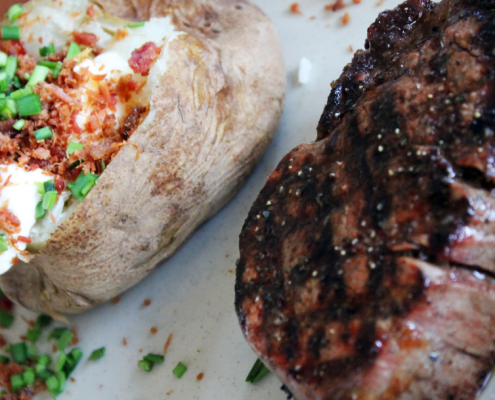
(192, 294)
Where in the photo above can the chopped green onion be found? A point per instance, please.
(19, 124)
(16, 82)
(43, 133)
(59, 364)
(3, 59)
(145, 366)
(73, 146)
(56, 71)
(39, 74)
(179, 370)
(27, 76)
(11, 67)
(43, 321)
(19, 353)
(29, 376)
(154, 358)
(40, 211)
(47, 50)
(4, 360)
(72, 359)
(57, 333)
(83, 184)
(73, 51)
(135, 25)
(6, 318)
(21, 93)
(48, 203)
(52, 384)
(17, 382)
(33, 335)
(31, 351)
(97, 354)
(50, 64)
(41, 187)
(11, 33)
(14, 12)
(65, 338)
(61, 378)
(29, 105)
(103, 166)
(257, 372)
(77, 353)
(9, 110)
(49, 186)
(3, 248)
(4, 82)
(45, 359)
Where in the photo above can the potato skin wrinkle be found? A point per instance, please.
(214, 111)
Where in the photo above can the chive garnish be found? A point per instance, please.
(9, 110)
(82, 185)
(73, 146)
(57, 333)
(29, 105)
(43, 133)
(21, 93)
(18, 352)
(52, 384)
(97, 354)
(33, 335)
(154, 358)
(59, 364)
(66, 336)
(28, 376)
(4, 360)
(17, 382)
(43, 321)
(257, 372)
(39, 74)
(19, 124)
(3, 248)
(11, 67)
(40, 211)
(3, 59)
(135, 25)
(50, 64)
(6, 318)
(48, 186)
(179, 370)
(14, 12)
(145, 366)
(48, 202)
(10, 33)
(4, 82)
(72, 359)
(47, 50)
(73, 51)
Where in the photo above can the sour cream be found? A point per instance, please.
(20, 196)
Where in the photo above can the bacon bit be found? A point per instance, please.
(59, 185)
(40, 39)
(351, 49)
(124, 342)
(338, 5)
(116, 300)
(52, 217)
(14, 261)
(75, 14)
(85, 38)
(130, 143)
(13, 48)
(90, 12)
(31, 37)
(24, 239)
(295, 9)
(72, 379)
(120, 35)
(73, 124)
(8, 221)
(75, 338)
(231, 271)
(140, 350)
(109, 98)
(14, 245)
(356, 1)
(3, 342)
(41, 153)
(380, 3)
(167, 344)
(200, 376)
(170, 392)
(57, 92)
(312, 17)
(153, 331)
(143, 58)
(6, 183)
(30, 322)
(346, 18)
(146, 302)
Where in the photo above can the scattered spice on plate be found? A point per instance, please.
(116, 300)
(153, 331)
(356, 1)
(124, 342)
(346, 18)
(351, 49)
(200, 376)
(380, 3)
(146, 302)
(338, 5)
(167, 344)
(169, 392)
(295, 9)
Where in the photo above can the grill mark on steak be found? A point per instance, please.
(361, 259)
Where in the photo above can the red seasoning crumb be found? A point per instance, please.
(338, 5)
(311, 18)
(146, 302)
(153, 331)
(40, 39)
(85, 38)
(200, 376)
(167, 344)
(124, 342)
(356, 1)
(294, 8)
(72, 379)
(116, 300)
(169, 392)
(380, 3)
(143, 58)
(351, 49)
(75, 339)
(3, 342)
(90, 12)
(346, 18)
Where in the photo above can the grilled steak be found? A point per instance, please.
(368, 260)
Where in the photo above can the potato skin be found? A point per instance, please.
(218, 106)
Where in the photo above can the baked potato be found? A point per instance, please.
(130, 186)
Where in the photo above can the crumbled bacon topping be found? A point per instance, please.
(13, 48)
(90, 12)
(143, 58)
(8, 221)
(85, 38)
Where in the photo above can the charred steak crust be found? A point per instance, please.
(368, 260)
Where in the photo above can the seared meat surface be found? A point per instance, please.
(368, 260)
